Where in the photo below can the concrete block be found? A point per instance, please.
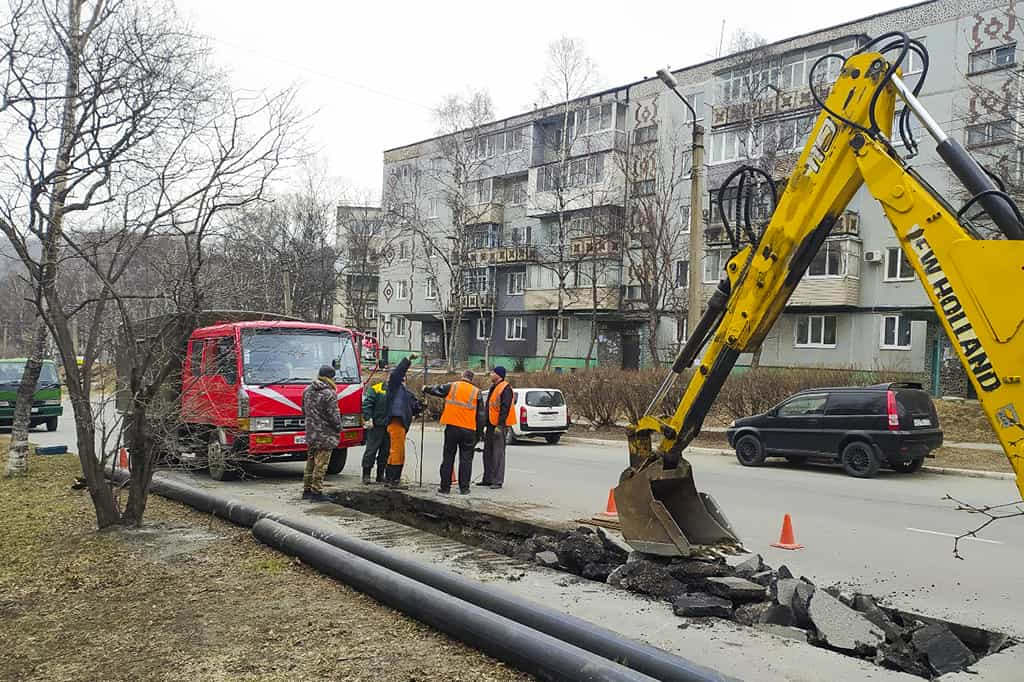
(841, 627)
(736, 589)
(548, 559)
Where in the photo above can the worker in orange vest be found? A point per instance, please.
(500, 416)
(461, 428)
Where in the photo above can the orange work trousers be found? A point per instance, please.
(396, 432)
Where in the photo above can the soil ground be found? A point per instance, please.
(187, 597)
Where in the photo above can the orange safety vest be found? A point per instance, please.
(460, 405)
(494, 406)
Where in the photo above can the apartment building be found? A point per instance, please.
(563, 197)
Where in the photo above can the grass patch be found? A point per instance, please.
(187, 597)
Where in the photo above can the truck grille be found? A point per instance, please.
(289, 423)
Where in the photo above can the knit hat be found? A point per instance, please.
(500, 371)
(326, 371)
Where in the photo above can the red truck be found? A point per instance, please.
(239, 397)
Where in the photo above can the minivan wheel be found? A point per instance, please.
(51, 424)
(908, 467)
(750, 451)
(859, 460)
(221, 469)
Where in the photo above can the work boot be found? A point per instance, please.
(318, 497)
(444, 491)
(495, 486)
(486, 484)
(366, 476)
(306, 492)
(463, 491)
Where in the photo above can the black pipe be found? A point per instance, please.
(528, 650)
(976, 180)
(644, 658)
(698, 336)
(611, 645)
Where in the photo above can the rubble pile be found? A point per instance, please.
(745, 590)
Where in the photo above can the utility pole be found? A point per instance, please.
(287, 285)
(695, 275)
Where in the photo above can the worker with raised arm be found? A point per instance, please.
(499, 417)
(462, 427)
(402, 407)
(375, 419)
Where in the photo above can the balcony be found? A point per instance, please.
(779, 103)
(590, 247)
(826, 291)
(502, 255)
(477, 300)
(485, 214)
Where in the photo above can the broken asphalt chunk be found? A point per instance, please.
(841, 627)
(698, 604)
(944, 651)
(735, 589)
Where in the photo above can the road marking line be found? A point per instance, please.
(951, 535)
(522, 471)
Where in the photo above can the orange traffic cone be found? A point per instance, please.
(610, 511)
(786, 540)
(122, 458)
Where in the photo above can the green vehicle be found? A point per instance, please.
(46, 403)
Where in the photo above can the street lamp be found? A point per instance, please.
(696, 206)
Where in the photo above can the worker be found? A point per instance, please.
(402, 407)
(462, 427)
(499, 417)
(323, 431)
(375, 417)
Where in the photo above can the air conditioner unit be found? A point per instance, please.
(872, 256)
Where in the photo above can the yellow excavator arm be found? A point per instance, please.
(968, 281)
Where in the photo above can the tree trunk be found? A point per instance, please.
(652, 339)
(593, 314)
(17, 456)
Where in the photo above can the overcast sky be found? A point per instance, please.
(370, 72)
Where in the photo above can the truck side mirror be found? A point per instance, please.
(336, 363)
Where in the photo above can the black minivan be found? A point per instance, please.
(862, 427)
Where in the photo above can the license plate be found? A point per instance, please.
(922, 422)
(35, 409)
(300, 440)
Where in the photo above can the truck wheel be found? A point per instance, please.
(908, 467)
(221, 468)
(750, 450)
(337, 463)
(859, 460)
(553, 438)
(51, 424)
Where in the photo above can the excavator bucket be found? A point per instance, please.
(661, 512)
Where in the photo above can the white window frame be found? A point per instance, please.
(988, 130)
(981, 57)
(402, 290)
(403, 250)
(516, 277)
(826, 248)
(430, 289)
(912, 64)
(370, 311)
(810, 343)
(482, 331)
(719, 254)
(516, 325)
(901, 259)
(432, 206)
(895, 345)
(562, 327)
(400, 326)
(682, 266)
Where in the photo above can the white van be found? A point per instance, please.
(540, 412)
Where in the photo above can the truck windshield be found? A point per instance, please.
(293, 356)
(10, 373)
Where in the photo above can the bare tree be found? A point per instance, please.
(360, 228)
(123, 134)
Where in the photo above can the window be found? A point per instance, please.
(554, 327)
(829, 261)
(478, 280)
(896, 332)
(430, 289)
(195, 350)
(634, 292)
(516, 283)
(682, 273)
(897, 266)
(643, 188)
(578, 172)
(221, 359)
(515, 329)
(645, 134)
(856, 403)
(403, 250)
(681, 331)
(370, 311)
(480, 191)
(401, 326)
(485, 237)
(816, 331)
(727, 146)
(432, 206)
(989, 133)
(436, 164)
(515, 191)
(483, 328)
(715, 261)
(495, 144)
(803, 405)
(402, 290)
(913, 64)
(992, 58)
(792, 134)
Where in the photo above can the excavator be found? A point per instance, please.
(968, 278)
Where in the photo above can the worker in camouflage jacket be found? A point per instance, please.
(375, 421)
(323, 431)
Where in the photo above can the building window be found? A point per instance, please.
(403, 250)
(715, 261)
(913, 63)
(992, 132)
(645, 134)
(633, 292)
(401, 326)
(579, 172)
(897, 267)
(370, 311)
(478, 280)
(554, 327)
(515, 329)
(681, 331)
(402, 290)
(432, 207)
(430, 289)
(480, 191)
(515, 191)
(816, 331)
(727, 146)
(992, 58)
(483, 328)
(682, 273)
(895, 332)
(486, 237)
(643, 188)
(516, 283)
(829, 261)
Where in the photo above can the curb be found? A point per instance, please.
(969, 473)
